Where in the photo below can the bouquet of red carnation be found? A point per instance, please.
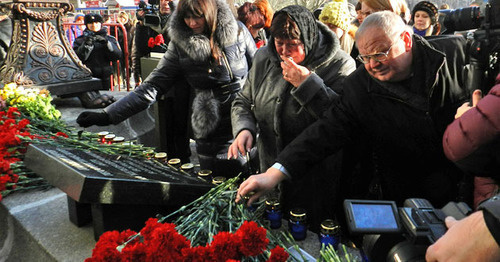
(157, 41)
(211, 228)
(161, 242)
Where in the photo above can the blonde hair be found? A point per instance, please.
(399, 7)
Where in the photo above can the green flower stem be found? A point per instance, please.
(28, 181)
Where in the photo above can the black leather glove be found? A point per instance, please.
(89, 40)
(100, 39)
(87, 118)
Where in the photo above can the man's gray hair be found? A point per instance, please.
(389, 22)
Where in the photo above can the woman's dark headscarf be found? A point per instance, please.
(308, 29)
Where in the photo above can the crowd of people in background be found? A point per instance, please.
(341, 16)
(333, 109)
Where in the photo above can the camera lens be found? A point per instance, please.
(406, 251)
(463, 19)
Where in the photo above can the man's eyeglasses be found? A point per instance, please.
(379, 57)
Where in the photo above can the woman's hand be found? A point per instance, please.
(259, 184)
(293, 73)
(242, 143)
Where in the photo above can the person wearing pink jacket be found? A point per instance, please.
(473, 142)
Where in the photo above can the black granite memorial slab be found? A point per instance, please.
(120, 192)
(93, 177)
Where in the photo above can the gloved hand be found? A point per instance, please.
(87, 118)
(89, 40)
(100, 39)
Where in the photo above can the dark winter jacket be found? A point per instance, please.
(271, 106)
(403, 122)
(279, 112)
(97, 50)
(189, 58)
(473, 139)
(140, 47)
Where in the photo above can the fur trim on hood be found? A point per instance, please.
(197, 46)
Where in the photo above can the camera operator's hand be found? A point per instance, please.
(101, 39)
(476, 96)
(140, 16)
(466, 240)
(87, 118)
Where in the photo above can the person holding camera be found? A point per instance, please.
(97, 49)
(150, 23)
(473, 142)
(400, 102)
(211, 61)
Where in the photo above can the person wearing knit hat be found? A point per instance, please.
(336, 16)
(97, 49)
(75, 31)
(92, 18)
(424, 17)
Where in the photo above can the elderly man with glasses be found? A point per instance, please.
(400, 102)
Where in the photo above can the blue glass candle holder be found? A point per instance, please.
(273, 213)
(297, 223)
(329, 233)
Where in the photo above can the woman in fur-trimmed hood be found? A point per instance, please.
(295, 78)
(210, 52)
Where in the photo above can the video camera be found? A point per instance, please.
(485, 47)
(399, 234)
(151, 14)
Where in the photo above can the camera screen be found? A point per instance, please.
(372, 216)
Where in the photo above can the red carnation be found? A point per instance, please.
(134, 251)
(151, 225)
(225, 246)
(23, 123)
(159, 40)
(14, 178)
(166, 243)
(61, 134)
(260, 43)
(278, 254)
(151, 42)
(253, 238)
(13, 112)
(105, 248)
(197, 254)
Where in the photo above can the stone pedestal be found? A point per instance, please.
(40, 54)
